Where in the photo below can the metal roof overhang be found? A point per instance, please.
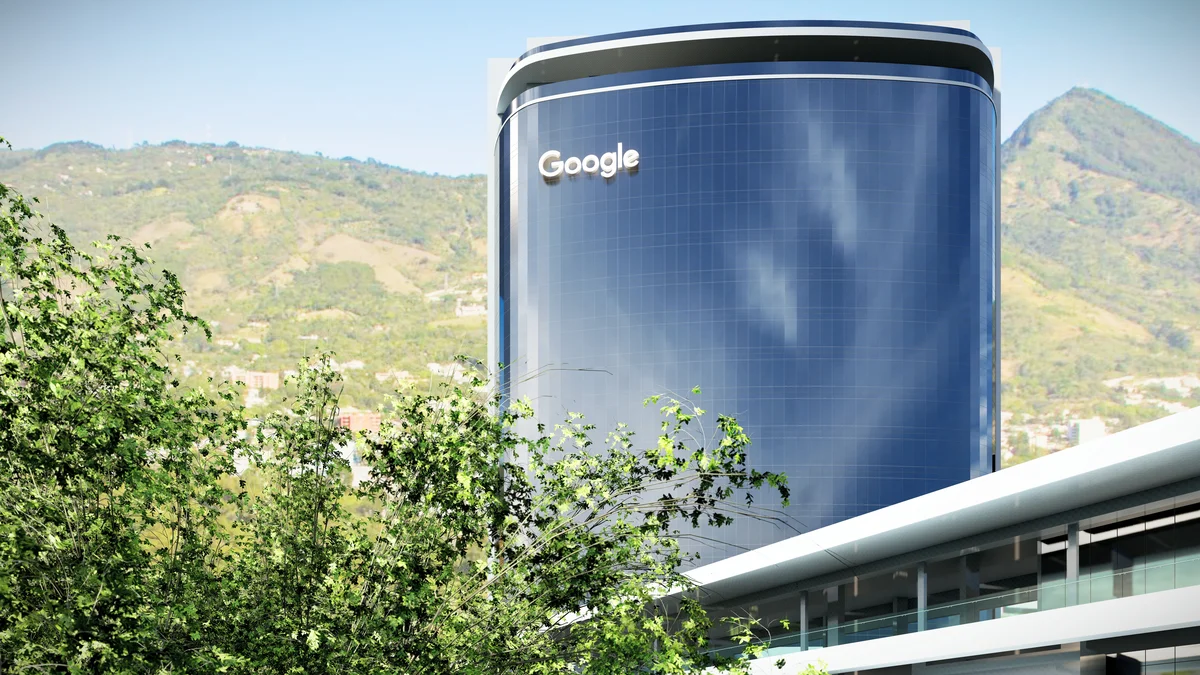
(1161, 453)
(700, 46)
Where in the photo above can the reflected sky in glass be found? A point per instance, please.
(815, 254)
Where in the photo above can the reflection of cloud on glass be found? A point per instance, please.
(768, 290)
(985, 413)
(882, 307)
(836, 183)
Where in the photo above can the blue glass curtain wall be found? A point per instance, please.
(816, 254)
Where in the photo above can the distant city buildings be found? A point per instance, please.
(253, 379)
(262, 380)
(359, 420)
(396, 375)
(461, 309)
(1153, 390)
(453, 371)
(1051, 431)
(253, 398)
(1083, 431)
(358, 471)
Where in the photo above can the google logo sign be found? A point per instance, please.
(551, 165)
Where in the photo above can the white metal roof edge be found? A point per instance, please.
(1161, 611)
(1151, 455)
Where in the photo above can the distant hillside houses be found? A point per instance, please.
(359, 420)
(453, 371)
(254, 379)
(1052, 433)
(400, 376)
(461, 309)
(1158, 391)
(477, 294)
(253, 398)
(1084, 431)
(340, 367)
(358, 471)
(442, 293)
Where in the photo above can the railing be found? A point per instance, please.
(1092, 587)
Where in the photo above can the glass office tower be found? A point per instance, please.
(800, 218)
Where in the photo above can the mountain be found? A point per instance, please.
(287, 253)
(1101, 265)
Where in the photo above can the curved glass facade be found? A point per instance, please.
(811, 245)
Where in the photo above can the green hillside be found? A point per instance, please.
(289, 253)
(286, 253)
(1101, 255)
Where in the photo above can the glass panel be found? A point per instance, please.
(1054, 572)
(814, 254)
(992, 606)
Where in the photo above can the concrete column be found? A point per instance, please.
(1072, 580)
(922, 596)
(803, 620)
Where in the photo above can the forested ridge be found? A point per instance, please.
(288, 253)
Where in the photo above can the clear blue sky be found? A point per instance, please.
(404, 81)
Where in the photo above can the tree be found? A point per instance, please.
(1174, 336)
(483, 542)
(108, 470)
(484, 550)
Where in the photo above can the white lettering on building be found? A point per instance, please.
(552, 165)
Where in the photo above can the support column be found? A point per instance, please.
(1122, 567)
(1072, 580)
(803, 620)
(835, 607)
(922, 596)
(968, 587)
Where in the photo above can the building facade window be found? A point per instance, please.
(1150, 548)
(813, 250)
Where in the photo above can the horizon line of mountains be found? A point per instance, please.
(1100, 286)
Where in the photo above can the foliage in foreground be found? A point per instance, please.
(483, 543)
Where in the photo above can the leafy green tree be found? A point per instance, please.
(483, 542)
(108, 470)
(493, 545)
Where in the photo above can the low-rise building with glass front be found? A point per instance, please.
(1086, 561)
(797, 217)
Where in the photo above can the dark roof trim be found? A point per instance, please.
(733, 25)
(715, 45)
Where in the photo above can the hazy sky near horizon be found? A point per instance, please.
(404, 82)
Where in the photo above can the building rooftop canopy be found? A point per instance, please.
(734, 25)
(746, 42)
